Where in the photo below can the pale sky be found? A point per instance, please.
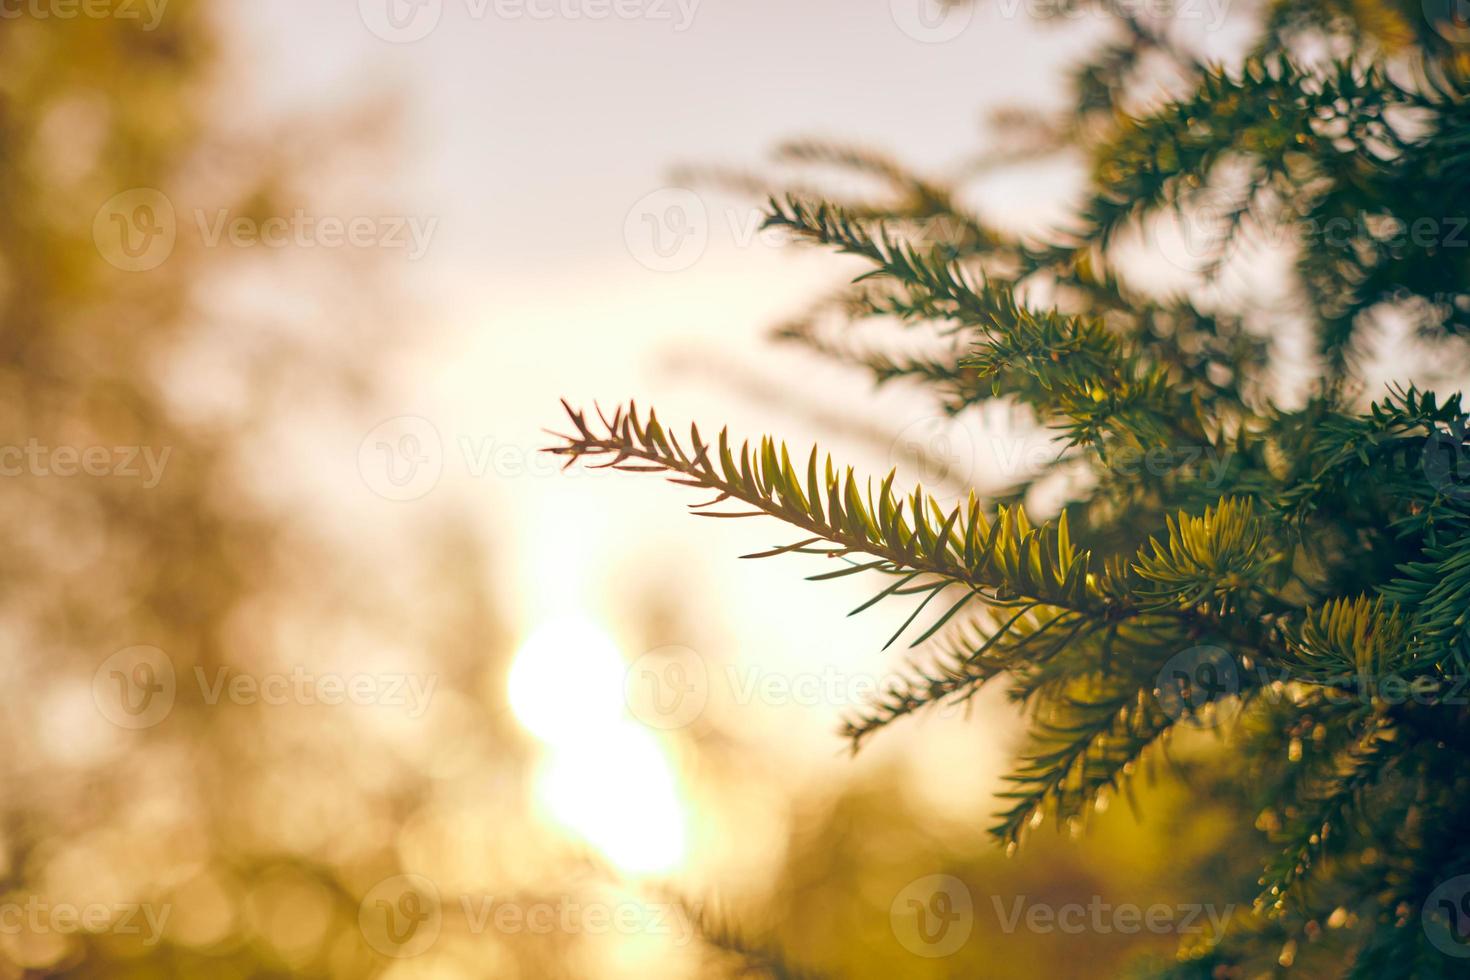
(532, 144)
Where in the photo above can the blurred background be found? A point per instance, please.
(319, 667)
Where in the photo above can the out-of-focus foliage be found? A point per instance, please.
(1309, 594)
(246, 830)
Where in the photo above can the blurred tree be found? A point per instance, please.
(1289, 562)
(146, 378)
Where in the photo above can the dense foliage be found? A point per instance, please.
(1308, 594)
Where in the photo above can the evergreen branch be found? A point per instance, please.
(957, 386)
(1354, 773)
(1350, 637)
(1065, 367)
(1006, 560)
(976, 656)
(760, 955)
(1270, 109)
(1382, 452)
(1207, 558)
(1089, 745)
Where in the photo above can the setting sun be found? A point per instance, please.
(604, 777)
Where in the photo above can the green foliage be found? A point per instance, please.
(1211, 557)
(1350, 636)
(1327, 557)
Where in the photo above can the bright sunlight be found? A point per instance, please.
(604, 777)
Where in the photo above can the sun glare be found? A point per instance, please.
(566, 683)
(605, 777)
(619, 793)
